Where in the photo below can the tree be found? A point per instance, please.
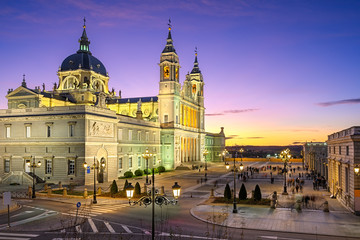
(126, 183)
(243, 193)
(113, 189)
(137, 189)
(227, 192)
(257, 193)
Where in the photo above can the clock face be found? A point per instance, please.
(177, 73)
(166, 72)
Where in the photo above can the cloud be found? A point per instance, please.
(345, 101)
(297, 143)
(232, 111)
(304, 130)
(254, 137)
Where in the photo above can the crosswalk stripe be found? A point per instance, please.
(14, 238)
(92, 225)
(18, 234)
(109, 227)
(147, 232)
(126, 229)
(78, 229)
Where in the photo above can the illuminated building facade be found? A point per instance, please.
(81, 120)
(343, 156)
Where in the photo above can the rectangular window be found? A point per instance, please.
(154, 160)
(71, 130)
(347, 150)
(334, 150)
(28, 131)
(130, 135)
(8, 132)
(139, 162)
(130, 162)
(339, 150)
(7, 165)
(346, 179)
(71, 167)
(120, 163)
(48, 131)
(139, 135)
(166, 118)
(147, 136)
(120, 134)
(177, 119)
(48, 167)
(339, 175)
(329, 149)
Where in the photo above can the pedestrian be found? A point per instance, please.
(297, 188)
(200, 180)
(238, 176)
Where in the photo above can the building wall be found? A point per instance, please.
(315, 157)
(344, 154)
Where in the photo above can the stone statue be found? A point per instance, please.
(139, 105)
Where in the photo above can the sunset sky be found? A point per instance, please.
(275, 72)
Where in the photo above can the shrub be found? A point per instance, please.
(147, 171)
(137, 189)
(155, 170)
(161, 169)
(257, 193)
(126, 183)
(227, 192)
(128, 174)
(139, 173)
(114, 188)
(243, 193)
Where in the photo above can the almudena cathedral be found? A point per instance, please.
(80, 120)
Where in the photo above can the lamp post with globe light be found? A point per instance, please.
(152, 199)
(33, 165)
(147, 155)
(205, 153)
(285, 156)
(94, 167)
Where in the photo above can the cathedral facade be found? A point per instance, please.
(80, 120)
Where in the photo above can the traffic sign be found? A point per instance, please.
(88, 169)
(78, 204)
(7, 198)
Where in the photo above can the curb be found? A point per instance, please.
(268, 230)
(14, 207)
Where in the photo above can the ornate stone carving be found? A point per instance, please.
(101, 129)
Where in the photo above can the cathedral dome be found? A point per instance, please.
(83, 60)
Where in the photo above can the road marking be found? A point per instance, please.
(92, 225)
(78, 228)
(37, 217)
(189, 236)
(22, 213)
(18, 234)
(109, 227)
(14, 238)
(147, 232)
(278, 238)
(126, 229)
(63, 230)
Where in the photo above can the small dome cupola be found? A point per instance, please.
(169, 42)
(196, 68)
(84, 41)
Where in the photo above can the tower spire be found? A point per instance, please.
(23, 81)
(169, 42)
(84, 41)
(196, 68)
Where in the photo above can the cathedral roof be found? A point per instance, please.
(196, 68)
(83, 58)
(133, 100)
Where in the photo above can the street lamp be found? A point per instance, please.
(285, 156)
(147, 155)
(241, 165)
(357, 170)
(225, 152)
(158, 199)
(94, 167)
(205, 153)
(33, 165)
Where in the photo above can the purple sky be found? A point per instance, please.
(276, 72)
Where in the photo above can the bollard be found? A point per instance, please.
(298, 205)
(45, 187)
(162, 190)
(145, 188)
(64, 192)
(60, 185)
(99, 191)
(326, 206)
(212, 193)
(273, 200)
(85, 193)
(49, 191)
(30, 191)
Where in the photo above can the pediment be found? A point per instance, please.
(21, 92)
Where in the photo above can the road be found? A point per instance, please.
(46, 219)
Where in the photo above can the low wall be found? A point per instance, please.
(276, 160)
